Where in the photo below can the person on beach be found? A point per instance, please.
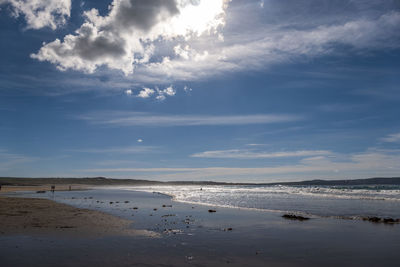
(53, 187)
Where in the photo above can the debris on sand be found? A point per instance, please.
(168, 215)
(295, 217)
(172, 231)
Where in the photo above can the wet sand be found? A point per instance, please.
(189, 235)
(46, 217)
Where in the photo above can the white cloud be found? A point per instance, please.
(169, 91)
(41, 13)
(117, 150)
(128, 92)
(150, 119)
(125, 37)
(140, 140)
(10, 160)
(392, 138)
(249, 154)
(187, 89)
(145, 92)
(161, 94)
(361, 165)
(160, 97)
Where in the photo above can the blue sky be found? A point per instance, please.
(256, 91)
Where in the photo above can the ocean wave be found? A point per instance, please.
(183, 192)
(320, 201)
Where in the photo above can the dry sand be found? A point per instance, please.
(43, 216)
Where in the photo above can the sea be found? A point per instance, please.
(348, 202)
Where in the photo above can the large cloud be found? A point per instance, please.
(164, 41)
(41, 13)
(124, 38)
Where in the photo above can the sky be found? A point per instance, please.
(172, 90)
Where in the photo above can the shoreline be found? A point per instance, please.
(362, 218)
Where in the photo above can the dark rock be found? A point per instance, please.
(40, 192)
(154, 209)
(212, 211)
(295, 217)
(167, 206)
(126, 201)
(111, 202)
(135, 208)
(391, 220)
(375, 219)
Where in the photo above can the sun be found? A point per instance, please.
(202, 17)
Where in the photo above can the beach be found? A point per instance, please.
(43, 216)
(188, 235)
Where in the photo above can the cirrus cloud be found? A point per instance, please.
(117, 118)
(392, 138)
(248, 154)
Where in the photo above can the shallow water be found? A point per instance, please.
(336, 201)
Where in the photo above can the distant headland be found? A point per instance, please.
(103, 181)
